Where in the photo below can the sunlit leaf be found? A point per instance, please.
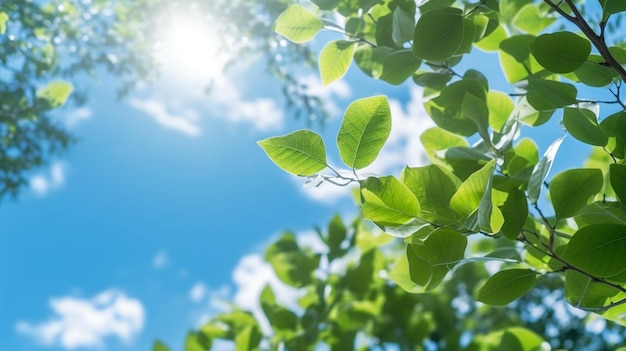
(326, 4)
(468, 199)
(301, 152)
(298, 24)
(365, 128)
(572, 189)
(531, 20)
(388, 201)
(335, 60)
(583, 292)
(506, 286)
(55, 93)
(433, 186)
(159, 346)
(500, 108)
(541, 170)
(598, 249)
(3, 22)
(592, 72)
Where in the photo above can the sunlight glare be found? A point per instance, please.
(189, 48)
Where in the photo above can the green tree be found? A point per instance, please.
(571, 225)
(348, 302)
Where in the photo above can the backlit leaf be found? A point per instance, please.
(365, 128)
(56, 93)
(433, 186)
(403, 26)
(335, 60)
(301, 152)
(298, 24)
(541, 170)
(388, 201)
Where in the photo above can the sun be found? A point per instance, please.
(188, 47)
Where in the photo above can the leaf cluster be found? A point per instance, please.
(495, 187)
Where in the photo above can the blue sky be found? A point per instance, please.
(162, 209)
(164, 205)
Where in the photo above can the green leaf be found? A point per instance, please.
(365, 128)
(298, 24)
(592, 72)
(515, 58)
(476, 109)
(492, 41)
(583, 292)
(618, 181)
(438, 34)
(301, 152)
(403, 26)
(3, 22)
(372, 60)
(292, 265)
(561, 52)
(541, 170)
(583, 125)
(159, 346)
(500, 108)
(572, 189)
(598, 249)
(520, 339)
(531, 20)
(545, 95)
(335, 60)
(506, 286)
(601, 212)
(615, 127)
(435, 139)
(326, 4)
(611, 7)
(446, 110)
(514, 209)
(473, 193)
(279, 317)
(431, 261)
(55, 93)
(399, 66)
(433, 80)
(388, 201)
(433, 187)
(463, 160)
(248, 339)
(195, 342)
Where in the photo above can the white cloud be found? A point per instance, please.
(160, 260)
(184, 122)
(77, 116)
(327, 93)
(87, 323)
(198, 291)
(42, 184)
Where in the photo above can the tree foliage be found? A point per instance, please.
(487, 180)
